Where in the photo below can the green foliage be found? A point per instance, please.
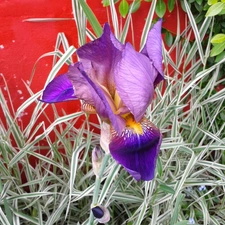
(171, 5)
(160, 8)
(168, 38)
(123, 8)
(215, 9)
(217, 49)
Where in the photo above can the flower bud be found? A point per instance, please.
(101, 213)
(105, 137)
(97, 156)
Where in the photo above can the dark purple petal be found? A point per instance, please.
(153, 49)
(101, 213)
(87, 90)
(100, 56)
(137, 153)
(97, 212)
(134, 77)
(59, 89)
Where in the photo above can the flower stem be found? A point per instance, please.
(97, 185)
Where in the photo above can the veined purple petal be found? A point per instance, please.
(80, 84)
(87, 90)
(153, 49)
(137, 153)
(100, 56)
(134, 77)
(60, 89)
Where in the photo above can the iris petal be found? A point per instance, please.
(87, 90)
(100, 56)
(81, 85)
(134, 79)
(58, 90)
(137, 153)
(153, 49)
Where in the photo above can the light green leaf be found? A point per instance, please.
(123, 8)
(160, 8)
(212, 2)
(215, 9)
(217, 49)
(218, 38)
(222, 11)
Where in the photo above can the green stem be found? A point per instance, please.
(97, 185)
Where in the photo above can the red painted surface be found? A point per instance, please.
(23, 43)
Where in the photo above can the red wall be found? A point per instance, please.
(22, 43)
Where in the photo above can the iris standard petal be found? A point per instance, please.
(134, 77)
(80, 84)
(87, 90)
(153, 49)
(100, 56)
(58, 90)
(136, 152)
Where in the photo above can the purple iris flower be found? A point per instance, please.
(117, 83)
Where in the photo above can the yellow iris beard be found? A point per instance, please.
(131, 123)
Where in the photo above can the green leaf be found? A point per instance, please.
(166, 189)
(183, 6)
(171, 4)
(199, 2)
(169, 38)
(215, 9)
(220, 57)
(218, 38)
(212, 2)
(217, 49)
(222, 11)
(123, 8)
(222, 116)
(105, 3)
(160, 8)
(199, 7)
(135, 5)
(91, 18)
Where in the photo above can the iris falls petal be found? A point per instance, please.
(58, 90)
(137, 150)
